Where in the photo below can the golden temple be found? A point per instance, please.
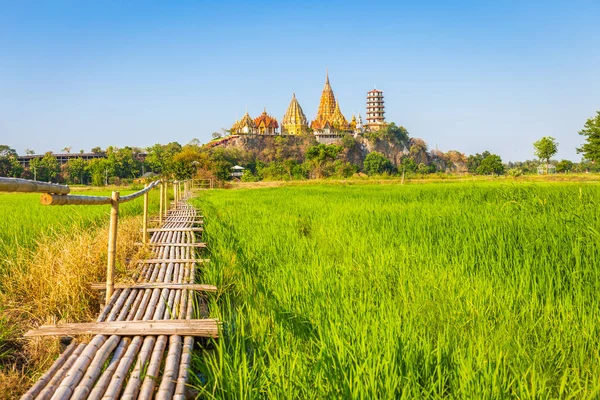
(329, 124)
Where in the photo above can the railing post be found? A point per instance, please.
(162, 200)
(166, 199)
(112, 245)
(145, 233)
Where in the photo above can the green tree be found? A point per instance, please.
(99, 170)
(591, 130)
(564, 166)
(491, 164)
(76, 170)
(160, 158)
(45, 169)
(376, 163)
(545, 148)
(319, 155)
(8, 162)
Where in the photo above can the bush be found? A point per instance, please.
(376, 163)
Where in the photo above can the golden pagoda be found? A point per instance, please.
(266, 124)
(294, 121)
(338, 120)
(327, 107)
(352, 124)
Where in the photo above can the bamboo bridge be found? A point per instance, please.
(141, 343)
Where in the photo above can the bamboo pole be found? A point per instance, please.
(68, 200)
(145, 218)
(25, 185)
(162, 200)
(166, 200)
(112, 245)
(58, 364)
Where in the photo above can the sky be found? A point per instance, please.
(468, 76)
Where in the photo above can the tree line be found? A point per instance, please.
(281, 161)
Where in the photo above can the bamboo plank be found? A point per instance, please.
(174, 244)
(195, 327)
(191, 286)
(175, 229)
(173, 260)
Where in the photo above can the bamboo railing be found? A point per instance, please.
(147, 358)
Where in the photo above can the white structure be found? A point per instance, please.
(237, 171)
(375, 110)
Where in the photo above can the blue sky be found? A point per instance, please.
(470, 76)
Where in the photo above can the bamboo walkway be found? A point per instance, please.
(140, 366)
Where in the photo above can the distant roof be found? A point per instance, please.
(149, 174)
(237, 167)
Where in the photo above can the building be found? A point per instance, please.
(375, 110)
(327, 107)
(266, 124)
(245, 126)
(294, 121)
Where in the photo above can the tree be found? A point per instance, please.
(491, 164)
(564, 166)
(97, 150)
(46, 168)
(76, 170)
(29, 152)
(545, 148)
(376, 163)
(217, 135)
(67, 149)
(591, 130)
(7, 158)
(318, 155)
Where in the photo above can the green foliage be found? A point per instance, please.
(461, 291)
(9, 166)
(248, 176)
(545, 148)
(390, 133)
(76, 171)
(320, 155)
(514, 172)
(485, 163)
(492, 164)
(376, 163)
(565, 166)
(591, 131)
(46, 168)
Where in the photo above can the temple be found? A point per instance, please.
(294, 121)
(264, 124)
(329, 125)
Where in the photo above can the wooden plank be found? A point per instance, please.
(175, 229)
(157, 285)
(172, 244)
(173, 260)
(183, 327)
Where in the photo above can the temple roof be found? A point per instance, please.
(266, 120)
(294, 114)
(326, 105)
(338, 119)
(246, 121)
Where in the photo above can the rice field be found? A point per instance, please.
(31, 235)
(459, 290)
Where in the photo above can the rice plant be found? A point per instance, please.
(462, 290)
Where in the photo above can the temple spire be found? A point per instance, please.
(326, 75)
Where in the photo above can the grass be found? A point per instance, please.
(466, 290)
(48, 257)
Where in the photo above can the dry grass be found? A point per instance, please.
(51, 284)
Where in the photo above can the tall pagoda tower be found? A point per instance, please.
(294, 121)
(327, 104)
(375, 110)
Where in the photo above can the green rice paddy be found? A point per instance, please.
(461, 290)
